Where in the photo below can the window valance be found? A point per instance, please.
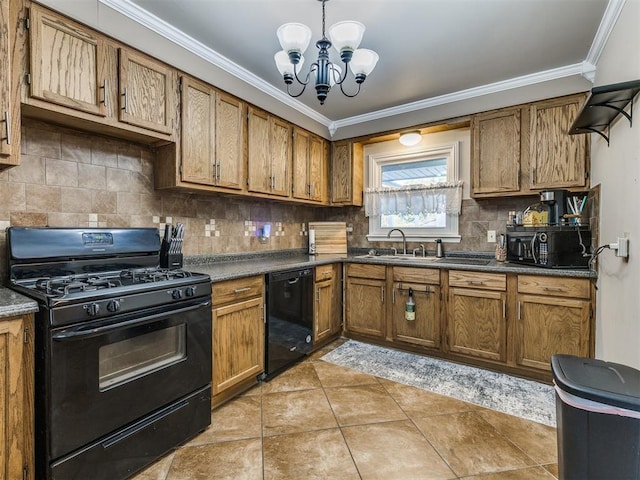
(414, 199)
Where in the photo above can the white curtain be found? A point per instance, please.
(414, 199)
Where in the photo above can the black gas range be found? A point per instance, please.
(123, 349)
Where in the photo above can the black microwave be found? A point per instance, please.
(551, 246)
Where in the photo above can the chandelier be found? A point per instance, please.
(345, 38)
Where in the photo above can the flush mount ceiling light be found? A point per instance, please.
(410, 139)
(345, 38)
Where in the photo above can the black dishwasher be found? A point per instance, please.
(289, 329)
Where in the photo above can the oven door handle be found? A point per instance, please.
(82, 332)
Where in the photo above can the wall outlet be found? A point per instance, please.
(623, 247)
(491, 236)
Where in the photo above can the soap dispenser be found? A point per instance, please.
(439, 252)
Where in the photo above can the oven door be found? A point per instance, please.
(106, 374)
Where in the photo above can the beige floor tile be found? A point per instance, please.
(336, 376)
(236, 420)
(241, 460)
(394, 451)
(298, 411)
(419, 403)
(299, 377)
(531, 473)
(362, 404)
(470, 445)
(318, 455)
(535, 439)
(157, 470)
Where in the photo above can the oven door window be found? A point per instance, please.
(134, 357)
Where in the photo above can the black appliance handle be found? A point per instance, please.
(81, 332)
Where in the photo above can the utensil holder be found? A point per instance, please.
(172, 261)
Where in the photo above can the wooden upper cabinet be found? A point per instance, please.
(198, 132)
(495, 151)
(309, 153)
(146, 92)
(67, 63)
(9, 101)
(269, 154)
(230, 142)
(347, 173)
(558, 160)
(524, 149)
(212, 136)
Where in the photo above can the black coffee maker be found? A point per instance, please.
(556, 201)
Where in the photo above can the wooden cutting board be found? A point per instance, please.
(331, 237)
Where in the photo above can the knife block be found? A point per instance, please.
(168, 260)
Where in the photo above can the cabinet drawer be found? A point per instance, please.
(324, 272)
(480, 280)
(418, 275)
(239, 289)
(556, 286)
(366, 271)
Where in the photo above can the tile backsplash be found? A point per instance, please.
(69, 178)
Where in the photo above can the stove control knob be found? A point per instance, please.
(176, 294)
(113, 306)
(190, 291)
(92, 309)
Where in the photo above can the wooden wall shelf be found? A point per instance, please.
(602, 107)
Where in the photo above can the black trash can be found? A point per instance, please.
(598, 419)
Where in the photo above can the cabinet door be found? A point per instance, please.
(280, 157)
(258, 152)
(198, 132)
(238, 343)
(558, 160)
(365, 306)
(146, 92)
(67, 66)
(496, 156)
(341, 172)
(229, 127)
(328, 301)
(316, 168)
(13, 402)
(7, 123)
(425, 329)
(300, 164)
(477, 323)
(550, 325)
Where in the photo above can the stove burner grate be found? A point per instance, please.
(74, 283)
(148, 275)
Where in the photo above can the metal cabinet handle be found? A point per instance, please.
(393, 296)
(553, 289)
(124, 100)
(7, 128)
(504, 308)
(318, 296)
(519, 317)
(104, 89)
(241, 290)
(382, 294)
(476, 282)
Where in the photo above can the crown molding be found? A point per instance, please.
(525, 80)
(164, 29)
(609, 19)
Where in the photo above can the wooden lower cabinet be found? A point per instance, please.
(477, 315)
(425, 285)
(553, 316)
(327, 302)
(366, 300)
(16, 398)
(238, 335)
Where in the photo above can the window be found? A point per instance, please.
(427, 166)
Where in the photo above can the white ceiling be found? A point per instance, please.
(428, 49)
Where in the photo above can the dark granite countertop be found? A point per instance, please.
(13, 304)
(228, 267)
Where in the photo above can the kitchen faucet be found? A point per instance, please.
(404, 239)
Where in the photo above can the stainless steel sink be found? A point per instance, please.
(410, 257)
(400, 256)
(464, 261)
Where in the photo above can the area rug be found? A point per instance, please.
(505, 393)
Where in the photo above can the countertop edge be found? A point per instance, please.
(12, 304)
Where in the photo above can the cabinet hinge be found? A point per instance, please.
(25, 471)
(180, 85)
(26, 335)
(27, 23)
(586, 175)
(180, 169)
(27, 78)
